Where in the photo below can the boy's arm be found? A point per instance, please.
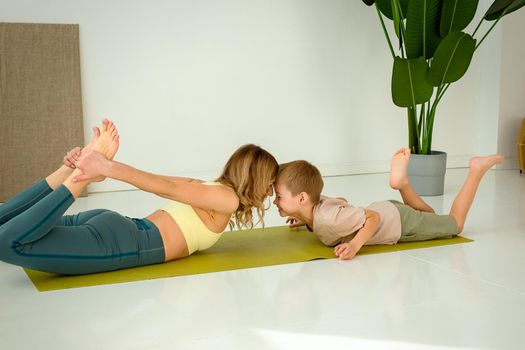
(294, 222)
(348, 250)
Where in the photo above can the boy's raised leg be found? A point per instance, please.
(463, 201)
(399, 181)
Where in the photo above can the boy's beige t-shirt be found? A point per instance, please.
(336, 221)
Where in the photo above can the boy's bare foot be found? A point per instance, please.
(399, 168)
(107, 142)
(480, 165)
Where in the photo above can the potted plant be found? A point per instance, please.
(433, 52)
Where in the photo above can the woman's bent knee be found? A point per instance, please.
(7, 248)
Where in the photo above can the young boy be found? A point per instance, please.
(337, 223)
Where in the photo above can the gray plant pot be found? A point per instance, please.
(426, 173)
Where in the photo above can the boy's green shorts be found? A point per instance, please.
(421, 226)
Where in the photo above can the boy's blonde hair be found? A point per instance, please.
(301, 176)
(250, 171)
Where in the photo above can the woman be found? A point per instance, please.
(35, 234)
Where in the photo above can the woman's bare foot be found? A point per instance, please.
(107, 142)
(106, 125)
(399, 168)
(96, 135)
(63, 172)
(480, 165)
(72, 156)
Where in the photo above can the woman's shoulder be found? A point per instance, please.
(230, 199)
(219, 185)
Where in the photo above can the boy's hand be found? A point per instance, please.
(293, 222)
(346, 251)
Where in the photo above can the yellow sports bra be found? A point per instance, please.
(197, 235)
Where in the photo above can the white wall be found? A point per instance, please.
(188, 81)
(512, 106)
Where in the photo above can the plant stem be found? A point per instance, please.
(423, 135)
(488, 31)
(421, 117)
(403, 52)
(443, 92)
(413, 137)
(430, 127)
(425, 127)
(432, 114)
(386, 33)
(479, 25)
(401, 27)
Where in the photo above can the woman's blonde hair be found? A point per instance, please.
(249, 171)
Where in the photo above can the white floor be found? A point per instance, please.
(467, 296)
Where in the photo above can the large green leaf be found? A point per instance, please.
(499, 6)
(422, 34)
(451, 59)
(385, 6)
(409, 82)
(456, 15)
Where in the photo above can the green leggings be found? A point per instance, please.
(35, 234)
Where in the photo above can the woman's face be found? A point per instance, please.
(269, 193)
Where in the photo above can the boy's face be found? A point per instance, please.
(287, 203)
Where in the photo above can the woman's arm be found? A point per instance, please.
(219, 198)
(180, 179)
(349, 249)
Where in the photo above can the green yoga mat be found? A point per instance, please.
(235, 250)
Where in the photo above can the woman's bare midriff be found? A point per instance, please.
(175, 246)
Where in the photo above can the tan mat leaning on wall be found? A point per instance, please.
(40, 101)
